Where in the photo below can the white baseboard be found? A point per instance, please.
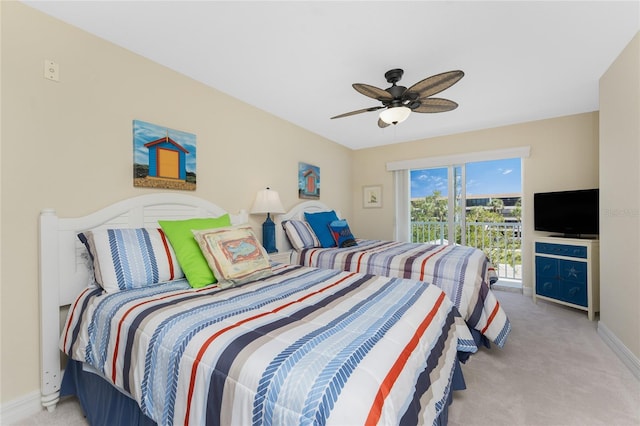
(21, 408)
(626, 356)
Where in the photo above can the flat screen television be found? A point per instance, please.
(569, 213)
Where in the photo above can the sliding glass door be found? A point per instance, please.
(475, 204)
(437, 217)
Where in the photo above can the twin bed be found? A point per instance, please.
(463, 273)
(299, 344)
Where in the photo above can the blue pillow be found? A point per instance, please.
(342, 234)
(320, 224)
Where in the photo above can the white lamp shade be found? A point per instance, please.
(395, 115)
(267, 201)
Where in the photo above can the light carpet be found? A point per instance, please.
(554, 370)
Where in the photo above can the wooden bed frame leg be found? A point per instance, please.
(50, 401)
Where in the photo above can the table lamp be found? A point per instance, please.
(268, 201)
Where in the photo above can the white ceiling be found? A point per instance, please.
(523, 61)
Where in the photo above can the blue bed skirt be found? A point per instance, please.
(103, 404)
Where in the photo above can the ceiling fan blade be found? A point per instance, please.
(434, 84)
(373, 92)
(430, 105)
(360, 111)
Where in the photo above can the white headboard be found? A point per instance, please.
(297, 213)
(64, 271)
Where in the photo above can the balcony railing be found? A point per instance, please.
(501, 242)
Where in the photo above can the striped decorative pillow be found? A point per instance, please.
(130, 257)
(300, 234)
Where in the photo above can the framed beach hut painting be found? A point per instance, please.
(308, 181)
(163, 157)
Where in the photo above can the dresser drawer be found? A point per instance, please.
(546, 286)
(561, 250)
(570, 270)
(573, 292)
(546, 267)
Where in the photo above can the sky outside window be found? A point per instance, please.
(483, 178)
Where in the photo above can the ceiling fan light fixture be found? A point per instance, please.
(395, 115)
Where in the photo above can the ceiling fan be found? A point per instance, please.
(398, 101)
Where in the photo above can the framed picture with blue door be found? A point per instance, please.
(163, 157)
(308, 181)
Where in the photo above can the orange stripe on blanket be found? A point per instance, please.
(394, 372)
(72, 310)
(311, 253)
(126, 314)
(207, 343)
(167, 251)
(492, 316)
(360, 261)
(424, 262)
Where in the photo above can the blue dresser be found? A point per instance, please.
(567, 272)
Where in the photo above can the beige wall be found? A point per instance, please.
(68, 146)
(620, 197)
(564, 155)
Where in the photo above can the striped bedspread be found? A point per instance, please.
(302, 346)
(463, 273)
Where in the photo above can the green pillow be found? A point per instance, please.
(187, 250)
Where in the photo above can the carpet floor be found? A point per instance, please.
(554, 371)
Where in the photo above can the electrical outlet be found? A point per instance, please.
(51, 70)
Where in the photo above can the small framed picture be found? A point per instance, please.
(308, 181)
(372, 196)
